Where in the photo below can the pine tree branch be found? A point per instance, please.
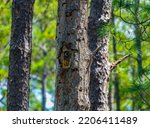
(114, 64)
(5, 46)
(96, 50)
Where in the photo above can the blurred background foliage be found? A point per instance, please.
(130, 34)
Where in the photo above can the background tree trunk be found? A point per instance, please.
(43, 82)
(110, 97)
(115, 76)
(20, 55)
(138, 46)
(138, 34)
(72, 82)
(99, 37)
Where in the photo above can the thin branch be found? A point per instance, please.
(144, 100)
(114, 64)
(96, 50)
(120, 15)
(5, 46)
(1, 99)
(35, 78)
(92, 54)
(146, 76)
(133, 23)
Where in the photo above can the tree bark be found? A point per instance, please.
(72, 81)
(20, 55)
(99, 37)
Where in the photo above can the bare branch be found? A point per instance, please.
(1, 99)
(114, 64)
(96, 50)
(35, 78)
(92, 54)
(5, 46)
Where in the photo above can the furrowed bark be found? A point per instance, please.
(99, 37)
(72, 81)
(20, 55)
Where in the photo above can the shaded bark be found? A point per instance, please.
(20, 55)
(99, 37)
(72, 81)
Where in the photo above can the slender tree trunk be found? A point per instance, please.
(133, 75)
(43, 82)
(117, 91)
(138, 42)
(99, 37)
(72, 81)
(137, 33)
(44, 79)
(110, 98)
(20, 55)
(115, 76)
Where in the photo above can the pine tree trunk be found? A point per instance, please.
(115, 76)
(138, 47)
(20, 55)
(72, 82)
(137, 33)
(117, 91)
(99, 37)
(43, 82)
(110, 98)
